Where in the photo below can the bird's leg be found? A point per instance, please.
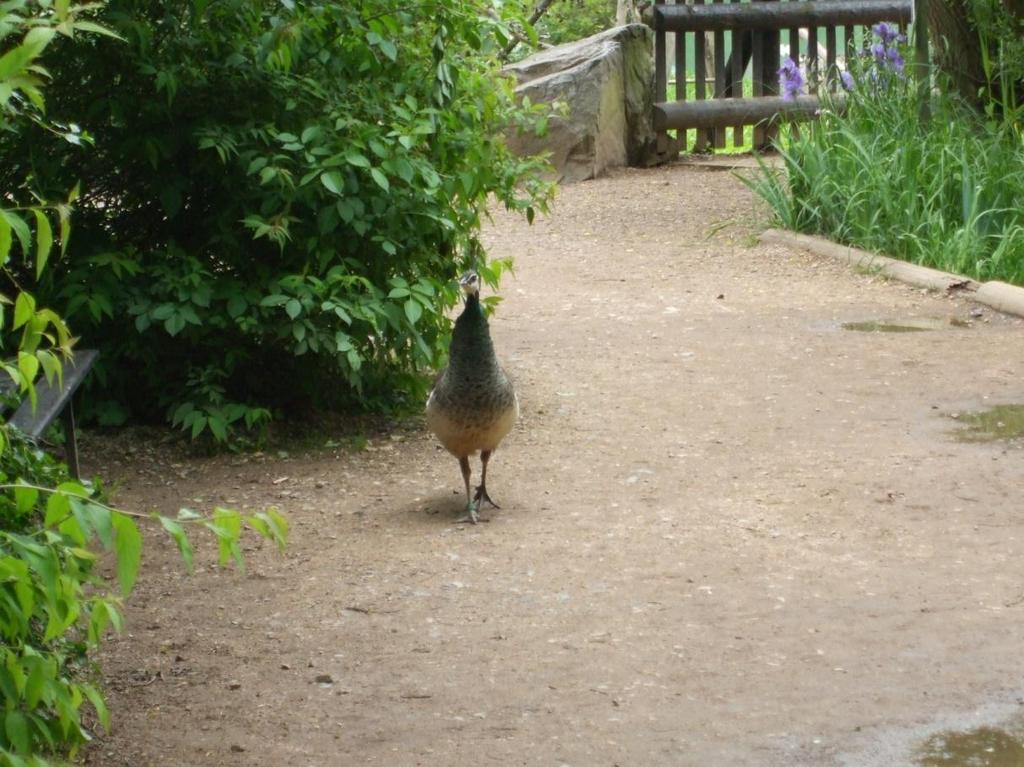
(481, 491)
(471, 503)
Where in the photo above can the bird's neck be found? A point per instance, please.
(471, 340)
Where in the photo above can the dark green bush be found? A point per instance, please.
(278, 197)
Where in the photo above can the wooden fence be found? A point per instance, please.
(735, 46)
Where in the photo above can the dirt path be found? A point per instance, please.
(732, 533)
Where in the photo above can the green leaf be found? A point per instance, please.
(24, 309)
(163, 311)
(218, 427)
(404, 169)
(175, 324)
(293, 308)
(5, 240)
(354, 360)
(97, 703)
(227, 526)
(389, 49)
(19, 227)
(128, 548)
(334, 181)
(352, 157)
(413, 310)
(35, 684)
(381, 179)
(101, 520)
(236, 306)
(58, 508)
(88, 26)
(16, 727)
(25, 499)
(29, 367)
(44, 241)
(38, 38)
(177, 532)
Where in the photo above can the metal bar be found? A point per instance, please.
(709, 114)
(70, 440)
(849, 44)
(775, 15)
(794, 45)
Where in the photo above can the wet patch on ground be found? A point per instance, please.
(999, 423)
(981, 747)
(904, 326)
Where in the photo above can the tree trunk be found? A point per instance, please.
(956, 47)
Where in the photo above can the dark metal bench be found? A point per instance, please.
(56, 400)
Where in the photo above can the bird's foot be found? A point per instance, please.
(481, 496)
(471, 515)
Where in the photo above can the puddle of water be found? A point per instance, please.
(1002, 422)
(982, 747)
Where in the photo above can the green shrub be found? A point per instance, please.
(944, 192)
(276, 201)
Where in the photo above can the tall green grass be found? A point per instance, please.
(946, 192)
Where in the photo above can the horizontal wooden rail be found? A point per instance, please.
(718, 113)
(791, 15)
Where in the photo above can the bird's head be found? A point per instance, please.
(470, 284)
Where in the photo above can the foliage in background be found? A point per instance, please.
(55, 607)
(978, 49)
(563, 22)
(944, 192)
(278, 197)
(1000, 30)
(569, 20)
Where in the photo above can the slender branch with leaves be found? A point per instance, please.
(55, 603)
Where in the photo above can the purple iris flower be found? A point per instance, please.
(791, 79)
(847, 79)
(895, 60)
(886, 32)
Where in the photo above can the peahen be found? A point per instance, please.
(473, 405)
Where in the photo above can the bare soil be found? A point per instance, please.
(732, 533)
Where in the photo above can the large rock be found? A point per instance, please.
(607, 83)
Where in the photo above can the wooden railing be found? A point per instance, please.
(752, 32)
